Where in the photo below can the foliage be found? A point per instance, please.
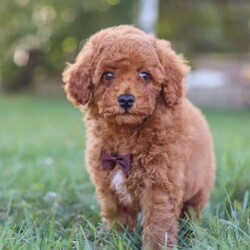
(52, 30)
(37, 37)
(206, 26)
(47, 200)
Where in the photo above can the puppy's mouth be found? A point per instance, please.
(126, 112)
(132, 116)
(129, 117)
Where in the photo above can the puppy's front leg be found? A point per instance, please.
(109, 209)
(160, 218)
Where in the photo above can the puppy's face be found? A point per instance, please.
(121, 72)
(127, 81)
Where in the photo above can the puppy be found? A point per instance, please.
(148, 148)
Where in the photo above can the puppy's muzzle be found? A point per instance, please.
(126, 101)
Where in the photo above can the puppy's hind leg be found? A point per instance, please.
(115, 215)
(127, 217)
(194, 207)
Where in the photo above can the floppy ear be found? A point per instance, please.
(175, 69)
(77, 76)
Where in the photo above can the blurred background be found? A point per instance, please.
(46, 196)
(38, 37)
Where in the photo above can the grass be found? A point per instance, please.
(48, 202)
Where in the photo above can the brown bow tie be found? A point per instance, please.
(110, 160)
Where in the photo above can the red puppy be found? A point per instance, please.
(148, 148)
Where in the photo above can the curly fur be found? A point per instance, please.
(173, 162)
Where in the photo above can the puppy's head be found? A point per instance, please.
(123, 73)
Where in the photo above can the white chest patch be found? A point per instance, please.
(118, 185)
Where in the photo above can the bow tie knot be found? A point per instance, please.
(109, 161)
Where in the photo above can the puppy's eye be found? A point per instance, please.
(108, 75)
(144, 75)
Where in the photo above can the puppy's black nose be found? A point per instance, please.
(126, 101)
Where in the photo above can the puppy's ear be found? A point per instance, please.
(77, 77)
(175, 69)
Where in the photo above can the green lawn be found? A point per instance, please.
(48, 202)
